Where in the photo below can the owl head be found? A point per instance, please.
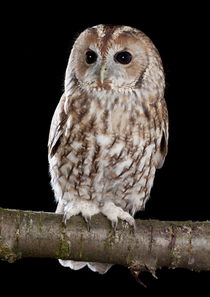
(114, 58)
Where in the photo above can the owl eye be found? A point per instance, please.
(91, 57)
(123, 57)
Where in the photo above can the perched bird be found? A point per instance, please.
(109, 131)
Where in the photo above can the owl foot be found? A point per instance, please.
(113, 213)
(84, 207)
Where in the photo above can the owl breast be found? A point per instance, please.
(106, 152)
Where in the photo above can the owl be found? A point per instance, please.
(109, 132)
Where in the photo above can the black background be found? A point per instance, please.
(35, 45)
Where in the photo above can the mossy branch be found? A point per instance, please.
(155, 244)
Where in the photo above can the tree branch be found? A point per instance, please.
(155, 244)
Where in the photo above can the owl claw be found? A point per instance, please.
(134, 228)
(129, 226)
(64, 220)
(113, 213)
(114, 226)
(86, 208)
(88, 221)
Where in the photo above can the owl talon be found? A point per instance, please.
(64, 220)
(113, 213)
(134, 228)
(114, 226)
(129, 226)
(88, 221)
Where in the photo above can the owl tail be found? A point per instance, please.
(96, 267)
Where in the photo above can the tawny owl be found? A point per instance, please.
(109, 132)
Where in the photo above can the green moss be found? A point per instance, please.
(7, 254)
(41, 224)
(63, 251)
(110, 240)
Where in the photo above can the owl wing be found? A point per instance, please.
(57, 127)
(163, 149)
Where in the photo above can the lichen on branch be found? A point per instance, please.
(154, 245)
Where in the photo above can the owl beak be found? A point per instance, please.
(102, 73)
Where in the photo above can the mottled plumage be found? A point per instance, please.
(109, 132)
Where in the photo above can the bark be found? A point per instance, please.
(154, 245)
